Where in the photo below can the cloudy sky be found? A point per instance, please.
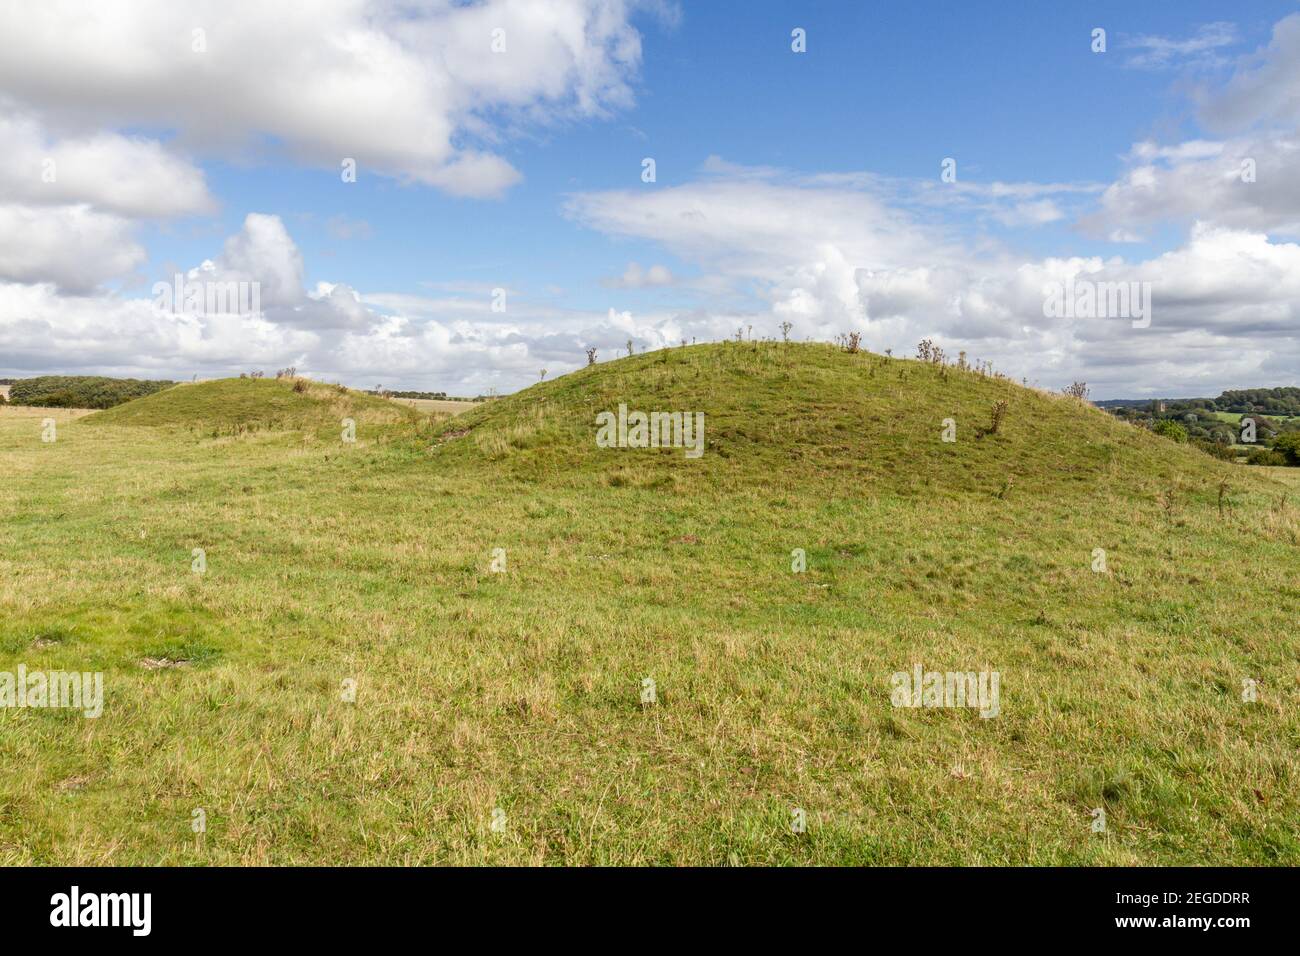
(500, 220)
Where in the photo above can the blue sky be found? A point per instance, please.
(1012, 91)
(842, 144)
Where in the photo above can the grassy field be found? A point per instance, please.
(437, 405)
(498, 717)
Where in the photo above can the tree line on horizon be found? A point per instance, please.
(1275, 413)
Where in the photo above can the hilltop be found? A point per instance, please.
(236, 405)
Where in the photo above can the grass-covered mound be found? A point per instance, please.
(629, 656)
(237, 405)
(81, 391)
(798, 415)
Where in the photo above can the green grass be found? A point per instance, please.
(371, 562)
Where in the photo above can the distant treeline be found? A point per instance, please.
(1281, 402)
(1216, 425)
(80, 391)
(438, 396)
(428, 396)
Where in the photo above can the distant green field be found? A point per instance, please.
(1235, 417)
(506, 717)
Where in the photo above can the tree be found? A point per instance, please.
(1289, 445)
(1170, 429)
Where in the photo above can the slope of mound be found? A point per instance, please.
(801, 415)
(234, 405)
